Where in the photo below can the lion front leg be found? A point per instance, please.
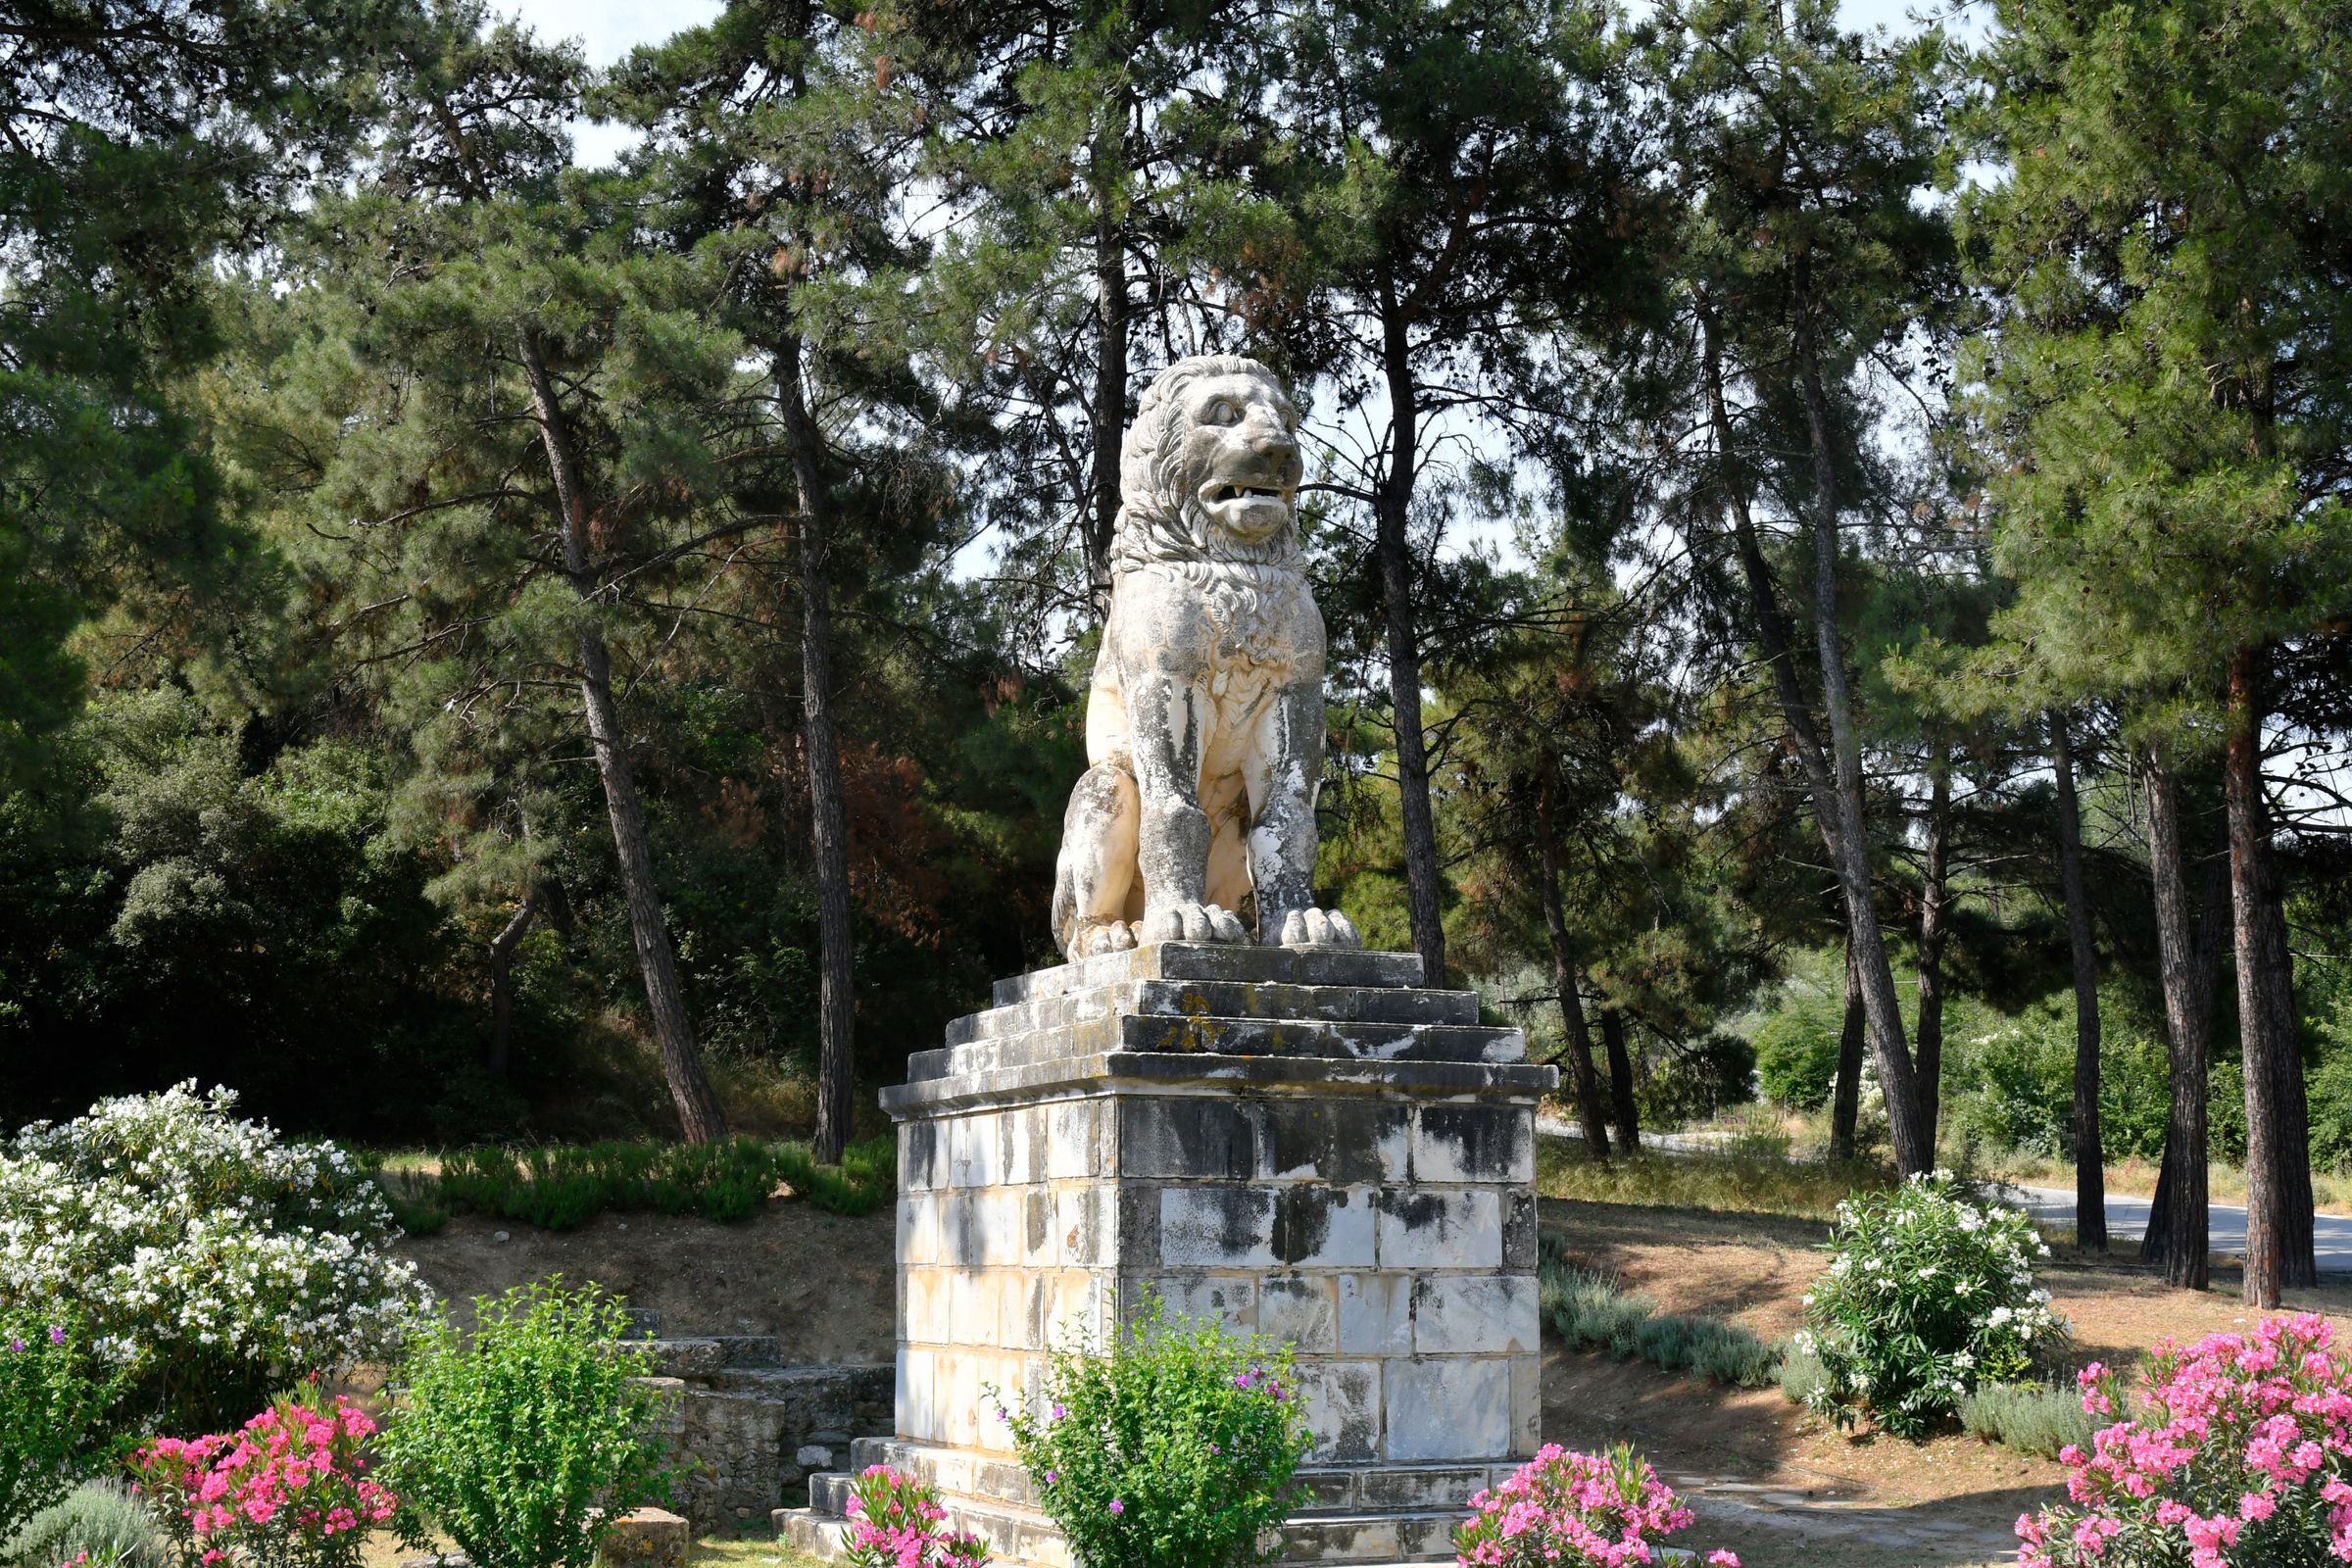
(1169, 721)
(1095, 867)
(1283, 774)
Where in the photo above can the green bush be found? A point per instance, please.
(1928, 1294)
(1796, 1050)
(1171, 1448)
(1590, 1312)
(2030, 1417)
(54, 1395)
(1717, 1351)
(103, 1518)
(509, 1442)
(1803, 1379)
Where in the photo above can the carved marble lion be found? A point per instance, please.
(1204, 723)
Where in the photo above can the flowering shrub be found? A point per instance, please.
(1172, 1448)
(214, 1262)
(895, 1523)
(53, 1395)
(284, 1491)
(1927, 1293)
(1563, 1509)
(2239, 1453)
(524, 1441)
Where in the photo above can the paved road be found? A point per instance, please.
(2127, 1221)
(2126, 1217)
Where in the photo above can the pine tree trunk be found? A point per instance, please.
(2090, 1147)
(1394, 547)
(837, 996)
(699, 1118)
(2178, 1237)
(1110, 362)
(502, 981)
(1846, 1094)
(1590, 1116)
(1850, 849)
(1621, 1082)
(2298, 1260)
(2267, 1041)
(1935, 897)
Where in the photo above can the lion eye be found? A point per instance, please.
(1222, 412)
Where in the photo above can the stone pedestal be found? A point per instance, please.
(1304, 1143)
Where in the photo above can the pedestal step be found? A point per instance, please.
(1209, 960)
(1221, 998)
(1021, 1535)
(1221, 1035)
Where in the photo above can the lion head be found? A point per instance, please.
(1210, 468)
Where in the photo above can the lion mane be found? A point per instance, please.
(1161, 522)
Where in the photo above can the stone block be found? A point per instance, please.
(1342, 1401)
(1428, 1228)
(1302, 1311)
(1227, 1299)
(1475, 1314)
(1339, 1142)
(1519, 1221)
(1451, 1407)
(920, 1241)
(1376, 1315)
(919, 1157)
(1082, 1226)
(1324, 1227)
(974, 1148)
(1075, 1144)
(1527, 1406)
(1021, 1144)
(1187, 1139)
(1423, 1487)
(1475, 1143)
(1135, 1244)
(1216, 1227)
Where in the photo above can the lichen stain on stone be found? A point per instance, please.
(1200, 1032)
(1417, 1211)
(1303, 1222)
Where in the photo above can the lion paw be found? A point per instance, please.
(1318, 928)
(1192, 923)
(1099, 936)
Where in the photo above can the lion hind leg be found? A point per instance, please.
(1094, 873)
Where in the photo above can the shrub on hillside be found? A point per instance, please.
(211, 1260)
(524, 1441)
(1797, 1058)
(2030, 1417)
(2237, 1452)
(1927, 1294)
(1563, 1509)
(101, 1520)
(1591, 1312)
(1171, 1448)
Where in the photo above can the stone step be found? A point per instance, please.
(808, 1530)
(829, 1492)
(1165, 1035)
(1221, 998)
(792, 1384)
(705, 1355)
(1211, 960)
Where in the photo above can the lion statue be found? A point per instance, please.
(1204, 723)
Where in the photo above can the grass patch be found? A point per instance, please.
(1590, 1311)
(2030, 1417)
(562, 1186)
(1739, 1182)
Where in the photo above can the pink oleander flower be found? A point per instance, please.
(281, 1492)
(1573, 1510)
(2231, 1449)
(895, 1522)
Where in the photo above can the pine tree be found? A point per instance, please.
(2168, 403)
(491, 423)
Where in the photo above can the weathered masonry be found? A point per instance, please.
(1302, 1141)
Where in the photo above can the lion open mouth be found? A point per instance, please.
(1218, 494)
